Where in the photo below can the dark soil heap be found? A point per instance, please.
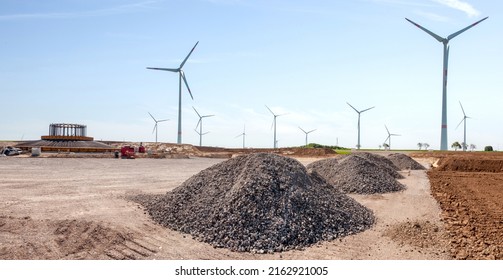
(405, 162)
(355, 174)
(259, 203)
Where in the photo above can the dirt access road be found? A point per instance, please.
(75, 208)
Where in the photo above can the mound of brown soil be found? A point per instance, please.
(471, 165)
(258, 203)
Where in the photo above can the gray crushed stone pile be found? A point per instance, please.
(357, 174)
(405, 162)
(259, 203)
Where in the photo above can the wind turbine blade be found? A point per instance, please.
(302, 130)
(163, 69)
(395, 135)
(386, 139)
(207, 116)
(367, 109)
(440, 39)
(386, 129)
(185, 60)
(464, 29)
(311, 131)
(353, 108)
(163, 120)
(196, 111)
(270, 110)
(462, 109)
(155, 127)
(198, 123)
(152, 117)
(186, 84)
(206, 132)
(460, 123)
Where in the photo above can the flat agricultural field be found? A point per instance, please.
(77, 208)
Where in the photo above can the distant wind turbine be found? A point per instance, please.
(181, 75)
(243, 135)
(464, 131)
(274, 124)
(359, 112)
(389, 137)
(155, 126)
(200, 124)
(306, 133)
(445, 41)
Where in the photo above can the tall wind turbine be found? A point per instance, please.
(155, 126)
(181, 76)
(274, 124)
(359, 112)
(445, 41)
(306, 133)
(464, 132)
(389, 137)
(243, 135)
(200, 124)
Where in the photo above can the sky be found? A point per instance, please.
(84, 62)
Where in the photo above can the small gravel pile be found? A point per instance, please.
(259, 203)
(405, 162)
(382, 162)
(355, 174)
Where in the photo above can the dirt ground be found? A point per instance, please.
(77, 208)
(469, 189)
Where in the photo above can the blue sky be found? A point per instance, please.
(84, 61)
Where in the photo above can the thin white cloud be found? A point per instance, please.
(432, 16)
(127, 8)
(465, 7)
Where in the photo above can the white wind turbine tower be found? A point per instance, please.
(359, 112)
(464, 132)
(181, 77)
(306, 133)
(243, 135)
(200, 124)
(274, 124)
(445, 41)
(389, 137)
(155, 126)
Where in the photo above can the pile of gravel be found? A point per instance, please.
(259, 203)
(405, 162)
(382, 162)
(355, 174)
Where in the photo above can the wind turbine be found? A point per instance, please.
(464, 132)
(389, 137)
(155, 126)
(243, 135)
(274, 123)
(359, 112)
(445, 41)
(200, 124)
(181, 76)
(306, 133)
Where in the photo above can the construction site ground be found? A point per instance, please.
(77, 207)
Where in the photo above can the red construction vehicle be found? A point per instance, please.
(127, 152)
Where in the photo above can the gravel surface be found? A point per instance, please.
(356, 174)
(260, 203)
(405, 162)
(383, 163)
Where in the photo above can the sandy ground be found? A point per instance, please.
(76, 208)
